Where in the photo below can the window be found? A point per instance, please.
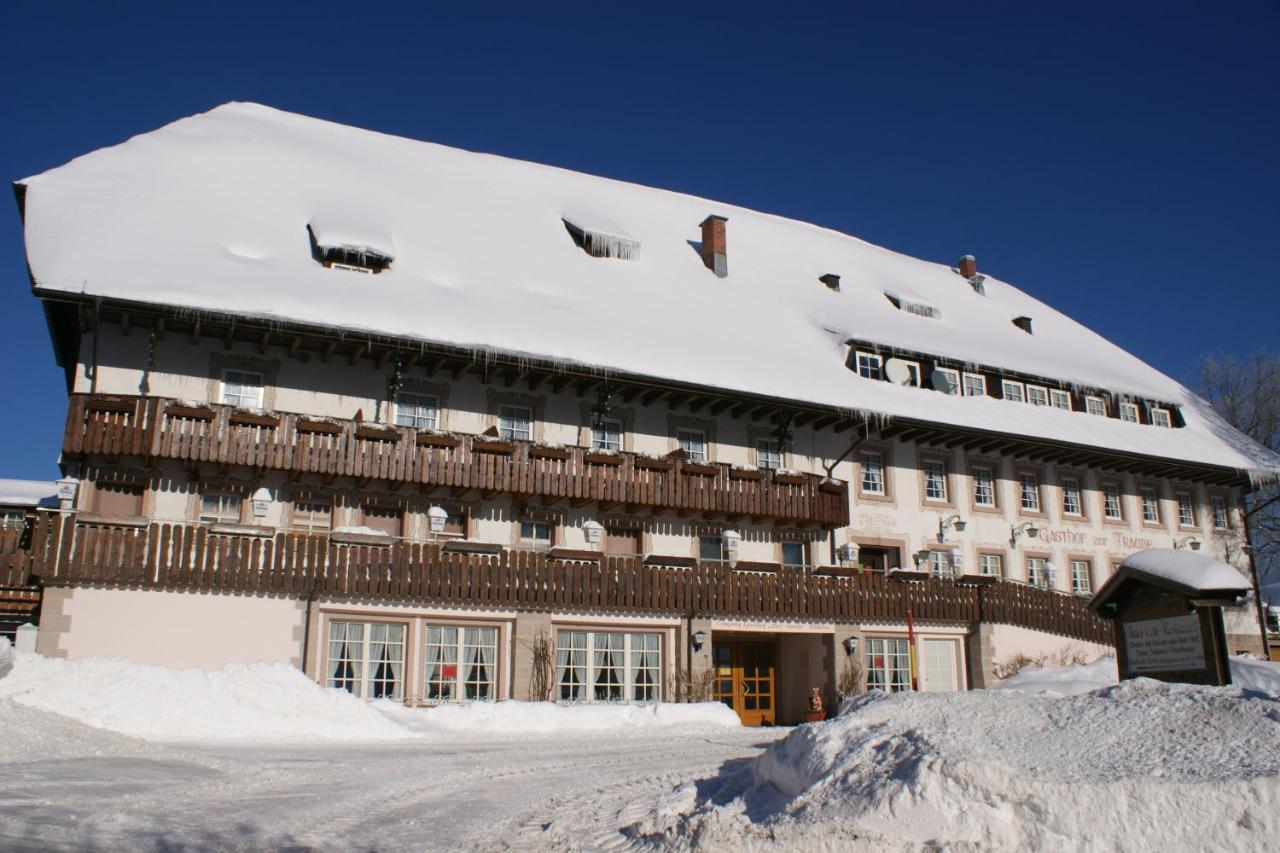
(975, 385)
(768, 454)
(599, 666)
(12, 517)
(220, 508)
(1219, 507)
(913, 373)
(1095, 406)
(935, 480)
(515, 422)
(888, 665)
(1071, 496)
(1013, 391)
(460, 663)
(1129, 412)
(622, 543)
(693, 442)
(1161, 417)
(984, 486)
(939, 564)
(1037, 572)
(455, 524)
(311, 517)
(1060, 399)
(952, 383)
(872, 473)
(711, 549)
(607, 436)
(1111, 507)
(869, 366)
(991, 565)
(1037, 395)
(1186, 511)
(793, 554)
(367, 659)
(1030, 492)
(1080, 577)
(535, 534)
(1150, 507)
(117, 500)
(420, 411)
(242, 388)
(381, 517)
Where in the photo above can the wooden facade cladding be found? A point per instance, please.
(65, 551)
(155, 428)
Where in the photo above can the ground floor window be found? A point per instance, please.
(938, 665)
(607, 666)
(888, 664)
(367, 659)
(1080, 577)
(460, 663)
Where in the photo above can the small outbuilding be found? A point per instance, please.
(1166, 606)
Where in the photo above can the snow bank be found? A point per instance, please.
(547, 718)
(1187, 568)
(1137, 766)
(1246, 673)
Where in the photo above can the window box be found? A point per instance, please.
(110, 404)
(977, 580)
(200, 413)
(908, 575)
(320, 427)
(790, 479)
(669, 560)
(576, 555)
(360, 538)
(461, 546)
(701, 469)
(757, 566)
(831, 487)
(426, 439)
(549, 452)
(113, 521)
(373, 433)
(243, 530)
(254, 419)
(482, 445)
(745, 474)
(598, 458)
(648, 463)
(836, 571)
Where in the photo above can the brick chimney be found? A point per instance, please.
(967, 266)
(715, 252)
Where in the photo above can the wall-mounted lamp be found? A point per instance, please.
(921, 559)
(948, 523)
(848, 554)
(850, 645)
(699, 639)
(436, 518)
(67, 487)
(732, 539)
(1027, 527)
(592, 531)
(1187, 542)
(261, 502)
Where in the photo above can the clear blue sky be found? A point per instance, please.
(1121, 165)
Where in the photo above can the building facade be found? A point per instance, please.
(432, 517)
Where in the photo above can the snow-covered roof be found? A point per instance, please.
(211, 212)
(1186, 569)
(28, 493)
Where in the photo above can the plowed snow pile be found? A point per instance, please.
(1137, 766)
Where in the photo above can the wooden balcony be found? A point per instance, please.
(156, 428)
(191, 557)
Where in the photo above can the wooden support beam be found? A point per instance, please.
(586, 386)
(720, 405)
(558, 384)
(383, 357)
(804, 418)
(231, 331)
(740, 410)
(652, 396)
(195, 332)
(294, 344)
(697, 404)
(328, 350)
(536, 378)
(760, 411)
(846, 425)
(459, 369)
(630, 393)
(577, 502)
(263, 341)
(358, 353)
(124, 323)
(410, 360)
(159, 328)
(824, 422)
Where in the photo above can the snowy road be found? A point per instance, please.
(487, 794)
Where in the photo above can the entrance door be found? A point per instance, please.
(939, 666)
(744, 680)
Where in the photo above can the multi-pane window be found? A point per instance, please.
(420, 411)
(220, 508)
(939, 564)
(1037, 395)
(460, 664)
(1095, 406)
(242, 388)
(768, 454)
(1080, 577)
(1071, 504)
(1161, 417)
(793, 554)
(1150, 506)
(607, 435)
(1219, 508)
(1186, 511)
(311, 517)
(1013, 391)
(952, 383)
(888, 664)
(515, 422)
(1129, 412)
(870, 366)
(984, 486)
(693, 442)
(935, 480)
(385, 518)
(608, 666)
(1111, 507)
(975, 385)
(367, 659)
(991, 565)
(1029, 492)
(1037, 571)
(711, 549)
(536, 534)
(872, 473)
(1060, 399)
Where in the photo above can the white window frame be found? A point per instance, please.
(1095, 406)
(514, 426)
(1037, 395)
(932, 477)
(641, 657)
(1081, 582)
(940, 565)
(1109, 492)
(1007, 385)
(529, 528)
(768, 454)
(1218, 509)
(987, 561)
(1150, 505)
(978, 480)
(872, 473)
(1129, 413)
(723, 552)
(873, 368)
(303, 520)
(893, 674)
(971, 380)
(358, 678)
(228, 510)
(1071, 488)
(609, 437)
(1060, 399)
(419, 411)
(457, 647)
(1161, 417)
(955, 380)
(794, 543)
(1037, 569)
(1186, 510)
(914, 367)
(693, 442)
(239, 388)
(1034, 504)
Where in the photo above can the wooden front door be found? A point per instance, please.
(744, 680)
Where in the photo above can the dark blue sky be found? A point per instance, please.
(1120, 165)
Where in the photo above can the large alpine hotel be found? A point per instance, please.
(441, 426)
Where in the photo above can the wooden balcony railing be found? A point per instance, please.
(154, 427)
(182, 556)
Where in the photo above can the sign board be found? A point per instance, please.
(1164, 645)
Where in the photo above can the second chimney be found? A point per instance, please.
(715, 245)
(967, 266)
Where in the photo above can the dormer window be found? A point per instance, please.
(600, 238)
(1161, 417)
(869, 365)
(343, 249)
(920, 309)
(1129, 412)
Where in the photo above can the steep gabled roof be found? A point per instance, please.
(212, 213)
